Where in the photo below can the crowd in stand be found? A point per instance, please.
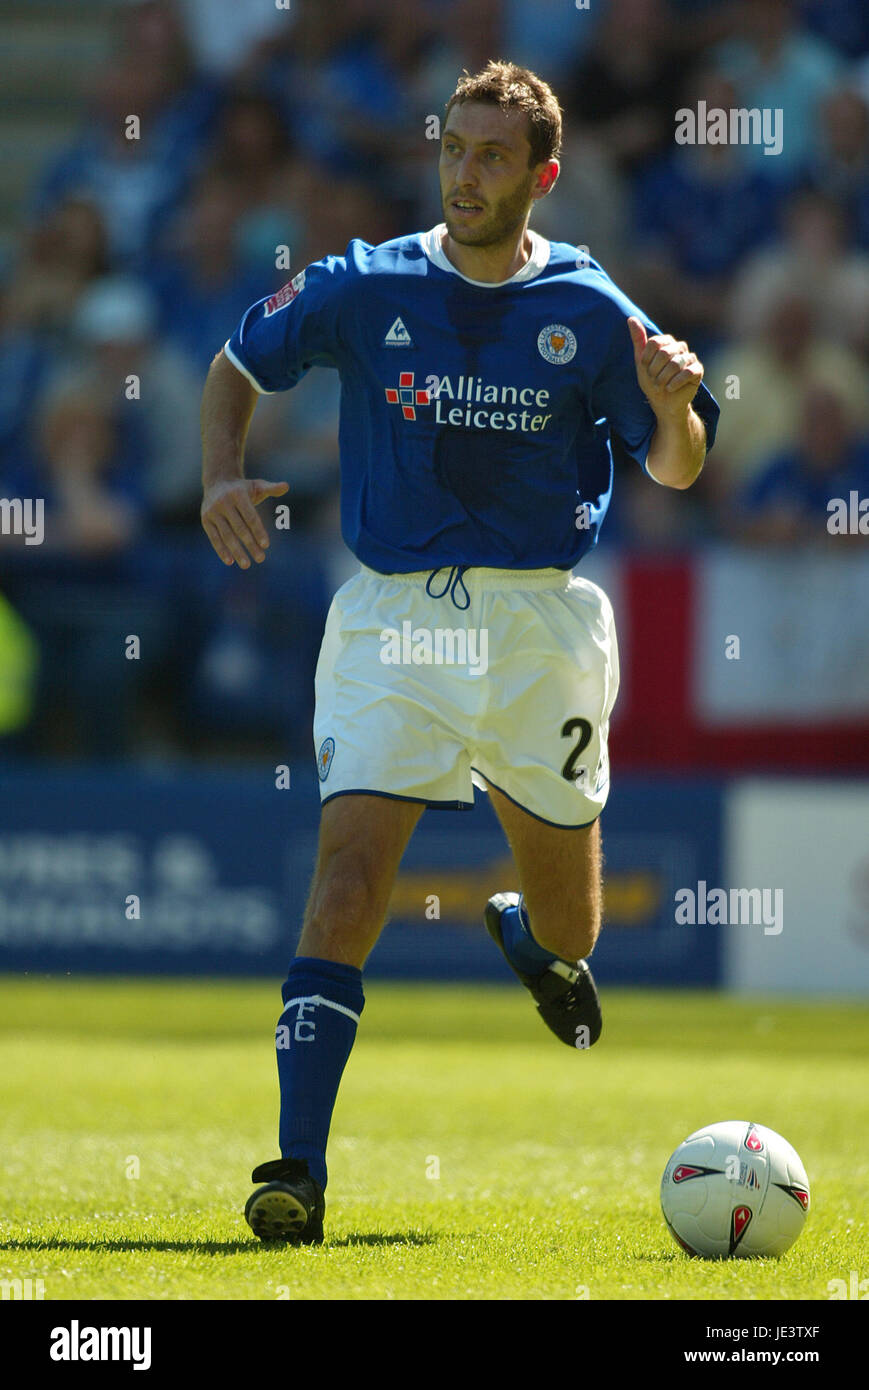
(268, 140)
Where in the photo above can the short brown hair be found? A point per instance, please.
(516, 89)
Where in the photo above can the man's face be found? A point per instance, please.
(486, 184)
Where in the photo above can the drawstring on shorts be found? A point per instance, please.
(455, 578)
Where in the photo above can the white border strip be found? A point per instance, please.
(240, 367)
(318, 999)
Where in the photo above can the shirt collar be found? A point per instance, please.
(537, 261)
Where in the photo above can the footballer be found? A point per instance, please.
(489, 377)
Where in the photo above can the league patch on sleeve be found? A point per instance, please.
(285, 295)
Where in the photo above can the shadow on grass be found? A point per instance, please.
(384, 1238)
(213, 1247)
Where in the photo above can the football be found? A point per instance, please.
(734, 1189)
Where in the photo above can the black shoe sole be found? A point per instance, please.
(277, 1213)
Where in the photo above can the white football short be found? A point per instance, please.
(419, 699)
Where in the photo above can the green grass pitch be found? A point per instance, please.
(472, 1155)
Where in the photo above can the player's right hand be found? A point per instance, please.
(230, 521)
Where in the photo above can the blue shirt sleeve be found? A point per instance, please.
(282, 336)
(617, 397)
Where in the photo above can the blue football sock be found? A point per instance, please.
(520, 945)
(315, 1033)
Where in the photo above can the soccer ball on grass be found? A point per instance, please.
(735, 1189)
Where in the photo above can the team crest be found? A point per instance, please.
(324, 758)
(556, 343)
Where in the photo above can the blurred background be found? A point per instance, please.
(155, 158)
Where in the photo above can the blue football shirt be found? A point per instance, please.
(478, 422)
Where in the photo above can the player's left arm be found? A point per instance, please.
(669, 375)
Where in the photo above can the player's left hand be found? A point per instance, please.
(668, 371)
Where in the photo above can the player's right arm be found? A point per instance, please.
(277, 341)
(229, 500)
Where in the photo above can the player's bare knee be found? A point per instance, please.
(344, 899)
(340, 911)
